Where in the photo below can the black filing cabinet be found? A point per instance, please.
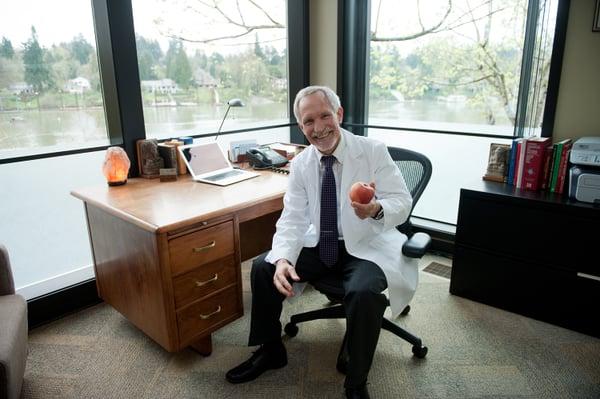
(533, 253)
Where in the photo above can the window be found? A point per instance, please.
(50, 94)
(194, 56)
(447, 78)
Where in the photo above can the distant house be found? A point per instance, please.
(77, 85)
(20, 88)
(160, 86)
(204, 79)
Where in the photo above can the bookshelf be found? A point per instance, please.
(532, 253)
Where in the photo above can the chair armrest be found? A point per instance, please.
(416, 246)
(7, 286)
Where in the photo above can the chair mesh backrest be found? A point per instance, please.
(416, 169)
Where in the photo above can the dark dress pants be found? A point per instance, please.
(363, 301)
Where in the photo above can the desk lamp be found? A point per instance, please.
(234, 102)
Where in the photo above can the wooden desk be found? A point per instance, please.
(167, 255)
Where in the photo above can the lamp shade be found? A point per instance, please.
(116, 166)
(234, 102)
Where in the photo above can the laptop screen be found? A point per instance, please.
(205, 158)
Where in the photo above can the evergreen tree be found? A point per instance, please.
(36, 71)
(257, 49)
(149, 56)
(6, 48)
(81, 49)
(178, 65)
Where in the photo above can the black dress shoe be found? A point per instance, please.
(262, 360)
(359, 392)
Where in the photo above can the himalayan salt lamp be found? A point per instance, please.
(116, 166)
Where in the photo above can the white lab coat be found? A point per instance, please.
(378, 241)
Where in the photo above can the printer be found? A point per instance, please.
(584, 175)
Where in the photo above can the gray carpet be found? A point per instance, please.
(474, 351)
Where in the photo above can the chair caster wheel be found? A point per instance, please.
(419, 351)
(291, 330)
(405, 311)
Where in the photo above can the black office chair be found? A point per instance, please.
(416, 170)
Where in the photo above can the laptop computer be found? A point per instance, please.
(208, 164)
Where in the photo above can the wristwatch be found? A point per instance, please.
(379, 215)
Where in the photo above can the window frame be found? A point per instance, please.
(354, 44)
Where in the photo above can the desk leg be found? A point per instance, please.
(203, 345)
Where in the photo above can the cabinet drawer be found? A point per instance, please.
(209, 314)
(203, 280)
(543, 233)
(192, 250)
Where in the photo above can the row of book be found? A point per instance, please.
(534, 163)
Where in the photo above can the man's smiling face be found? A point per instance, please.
(319, 122)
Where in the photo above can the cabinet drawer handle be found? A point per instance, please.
(201, 283)
(208, 316)
(589, 276)
(206, 247)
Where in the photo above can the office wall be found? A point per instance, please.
(323, 42)
(578, 107)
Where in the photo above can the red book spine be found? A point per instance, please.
(562, 169)
(546, 170)
(532, 165)
(518, 164)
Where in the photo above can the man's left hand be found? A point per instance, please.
(368, 210)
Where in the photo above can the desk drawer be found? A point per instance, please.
(192, 250)
(204, 280)
(207, 315)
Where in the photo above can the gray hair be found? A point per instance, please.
(330, 96)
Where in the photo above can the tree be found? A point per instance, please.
(241, 19)
(178, 65)
(6, 48)
(149, 57)
(36, 71)
(81, 49)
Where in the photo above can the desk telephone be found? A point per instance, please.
(265, 158)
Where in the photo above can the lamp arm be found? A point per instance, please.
(223, 121)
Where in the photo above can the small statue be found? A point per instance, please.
(150, 161)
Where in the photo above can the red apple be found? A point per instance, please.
(361, 192)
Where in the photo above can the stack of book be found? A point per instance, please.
(534, 163)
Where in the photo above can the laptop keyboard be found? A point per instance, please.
(224, 175)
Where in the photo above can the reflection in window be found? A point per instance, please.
(50, 95)
(194, 56)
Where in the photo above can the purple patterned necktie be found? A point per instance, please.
(328, 240)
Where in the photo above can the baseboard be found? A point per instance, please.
(57, 304)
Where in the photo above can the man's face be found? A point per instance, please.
(319, 123)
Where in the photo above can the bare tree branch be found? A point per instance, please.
(423, 32)
(236, 20)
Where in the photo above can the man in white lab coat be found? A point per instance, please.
(322, 231)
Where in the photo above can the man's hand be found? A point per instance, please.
(364, 211)
(283, 272)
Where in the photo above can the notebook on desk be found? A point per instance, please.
(208, 164)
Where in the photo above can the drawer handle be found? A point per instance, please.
(201, 283)
(206, 247)
(208, 316)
